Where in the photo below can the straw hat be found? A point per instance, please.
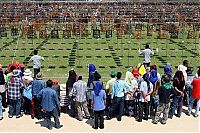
(27, 72)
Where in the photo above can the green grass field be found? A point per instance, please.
(61, 55)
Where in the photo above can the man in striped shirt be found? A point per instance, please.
(79, 92)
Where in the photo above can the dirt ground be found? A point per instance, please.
(26, 124)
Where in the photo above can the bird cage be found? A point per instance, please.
(43, 33)
(66, 34)
(96, 33)
(149, 30)
(162, 34)
(137, 34)
(76, 29)
(55, 33)
(191, 34)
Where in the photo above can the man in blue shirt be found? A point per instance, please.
(50, 103)
(119, 88)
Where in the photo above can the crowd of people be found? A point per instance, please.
(143, 94)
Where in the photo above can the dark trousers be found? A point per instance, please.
(108, 104)
(143, 107)
(36, 108)
(4, 103)
(118, 102)
(36, 71)
(177, 101)
(26, 105)
(98, 116)
(14, 107)
(72, 106)
(53, 113)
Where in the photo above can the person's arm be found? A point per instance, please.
(107, 87)
(104, 98)
(113, 91)
(141, 52)
(56, 99)
(152, 52)
(42, 58)
(31, 59)
(92, 99)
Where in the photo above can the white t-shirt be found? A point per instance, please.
(147, 55)
(134, 85)
(36, 61)
(144, 88)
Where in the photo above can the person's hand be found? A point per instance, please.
(182, 94)
(59, 107)
(146, 98)
(156, 49)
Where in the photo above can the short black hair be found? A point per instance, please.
(198, 72)
(35, 52)
(112, 76)
(185, 62)
(49, 83)
(12, 68)
(80, 77)
(147, 46)
(119, 75)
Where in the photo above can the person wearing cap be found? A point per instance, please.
(167, 73)
(119, 88)
(195, 96)
(109, 85)
(36, 59)
(164, 101)
(147, 53)
(79, 92)
(37, 85)
(50, 104)
(14, 94)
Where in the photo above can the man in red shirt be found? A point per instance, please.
(195, 95)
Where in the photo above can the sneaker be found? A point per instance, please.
(170, 117)
(154, 122)
(177, 115)
(196, 115)
(1, 118)
(94, 127)
(108, 118)
(188, 114)
(163, 123)
(10, 116)
(50, 128)
(18, 116)
(58, 127)
(119, 119)
(88, 117)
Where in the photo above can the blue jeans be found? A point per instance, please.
(191, 106)
(118, 102)
(53, 113)
(15, 105)
(176, 101)
(1, 113)
(188, 92)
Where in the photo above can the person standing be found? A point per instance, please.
(69, 85)
(50, 104)
(37, 85)
(164, 101)
(14, 85)
(119, 88)
(2, 87)
(147, 53)
(79, 93)
(109, 85)
(36, 59)
(98, 101)
(195, 96)
(178, 83)
(146, 88)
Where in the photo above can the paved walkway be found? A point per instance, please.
(26, 124)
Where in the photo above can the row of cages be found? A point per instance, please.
(175, 30)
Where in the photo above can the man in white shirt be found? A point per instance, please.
(36, 59)
(147, 53)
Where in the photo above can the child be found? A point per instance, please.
(164, 100)
(98, 102)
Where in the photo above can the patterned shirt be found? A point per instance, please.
(14, 85)
(79, 90)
